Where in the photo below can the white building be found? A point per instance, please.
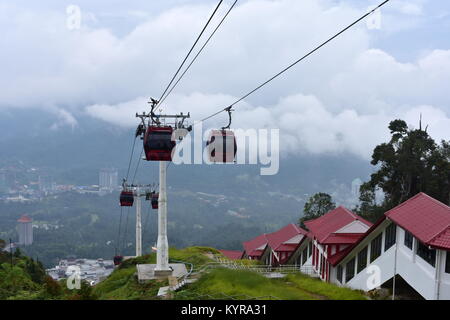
(108, 179)
(25, 230)
(412, 241)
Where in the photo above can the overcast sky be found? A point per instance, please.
(340, 99)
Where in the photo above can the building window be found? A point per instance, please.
(429, 255)
(350, 270)
(340, 272)
(304, 255)
(447, 262)
(375, 248)
(362, 260)
(310, 249)
(389, 238)
(409, 238)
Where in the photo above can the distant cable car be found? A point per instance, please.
(221, 144)
(158, 144)
(155, 198)
(126, 198)
(118, 260)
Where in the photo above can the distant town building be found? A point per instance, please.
(46, 184)
(25, 230)
(90, 270)
(108, 179)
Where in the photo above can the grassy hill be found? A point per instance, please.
(26, 280)
(219, 283)
(239, 284)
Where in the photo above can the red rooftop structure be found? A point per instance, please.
(232, 254)
(282, 243)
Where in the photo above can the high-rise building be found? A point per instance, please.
(25, 230)
(108, 179)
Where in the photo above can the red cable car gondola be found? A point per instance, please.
(158, 143)
(154, 200)
(126, 198)
(118, 260)
(222, 146)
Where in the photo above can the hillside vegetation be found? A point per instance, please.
(225, 283)
(219, 283)
(25, 279)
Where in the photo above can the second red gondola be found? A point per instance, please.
(222, 146)
(126, 199)
(154, 200)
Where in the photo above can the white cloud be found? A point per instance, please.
(340, 99)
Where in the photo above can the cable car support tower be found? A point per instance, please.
(138, 191)
(153, 120)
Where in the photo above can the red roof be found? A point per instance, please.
(426, 218)
(232, 254)
(251, 245)
(24, 219)
(324, 227)
(442, 241)
(276, 239)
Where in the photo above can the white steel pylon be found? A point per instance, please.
(162, 253)
(138, 224)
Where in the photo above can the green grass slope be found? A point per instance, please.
(218, 283)
(238, 284)
(122, 284)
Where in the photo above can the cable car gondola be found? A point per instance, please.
(154, 200)
(221, 144)
(158, 144)
(126, 198)
(118, 260)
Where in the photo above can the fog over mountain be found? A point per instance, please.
(339, 100)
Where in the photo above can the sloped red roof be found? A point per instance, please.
(326, 225)
(232, 254)
(442, 241)
(24, 219)
(426, 218)
(276, 239)
(287, 247)
(251, 245)
(344, 238)
(335, 259)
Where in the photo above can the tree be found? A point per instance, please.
(317, 206)
(52, 287)
(411, 162)
(17, 253)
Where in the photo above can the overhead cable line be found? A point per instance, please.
(137, 165)
(198, 53)
(192, 48)
(131, 157)
(295, 63)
